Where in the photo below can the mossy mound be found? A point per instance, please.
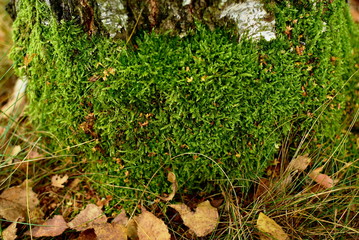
(199, 106)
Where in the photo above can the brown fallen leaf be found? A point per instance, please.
(300, 163)
(11, 210)
(132, 228)
(58, 181)
(88, 234)
(121, 218)
(150, 227)
(15, 201)
(263, 187)
(87, 218)
(322, 179)
(203, 221)
(50, 228)
(74, 183)
(22, 195)
(10, 232)
(110, 231)
(270, 228)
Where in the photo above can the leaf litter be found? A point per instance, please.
(50, 228)
(203, 221)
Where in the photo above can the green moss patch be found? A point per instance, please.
(199, 106)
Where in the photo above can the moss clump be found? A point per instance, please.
(198, 106)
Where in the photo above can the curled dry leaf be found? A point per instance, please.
(110, 231)
(58, 181)
(50, 228)
(203, 221)
(89, 217)
(10, 232)
(300, 163)
(269, 227)
(322, 179)
(171, 177)
(150, 227)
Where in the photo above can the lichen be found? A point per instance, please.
(252, 19)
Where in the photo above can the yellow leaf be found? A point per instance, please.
(269, 227)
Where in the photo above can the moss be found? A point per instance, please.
(198, 106)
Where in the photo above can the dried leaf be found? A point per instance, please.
(2, 130)
(51, 228)
(132, 228)
(11, 210)
(88, 234)
(300, 163)
(263, 187)
(17, 101)
(203, 221)
(16, 150)
(22, 195)
(171, 177)
(28, 59)
(74, 183)
(58, 181)
(322, 179)
(87, 218)
(121, 218)
(34, 155)
(10, 232)
(111, 231)
(268, 226)
(150, 227)
(300, 49)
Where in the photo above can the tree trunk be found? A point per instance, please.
(122, 19)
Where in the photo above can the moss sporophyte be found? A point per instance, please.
(199, 106)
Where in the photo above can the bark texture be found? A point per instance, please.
(121, 18)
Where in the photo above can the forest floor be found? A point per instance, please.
(41, 195)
